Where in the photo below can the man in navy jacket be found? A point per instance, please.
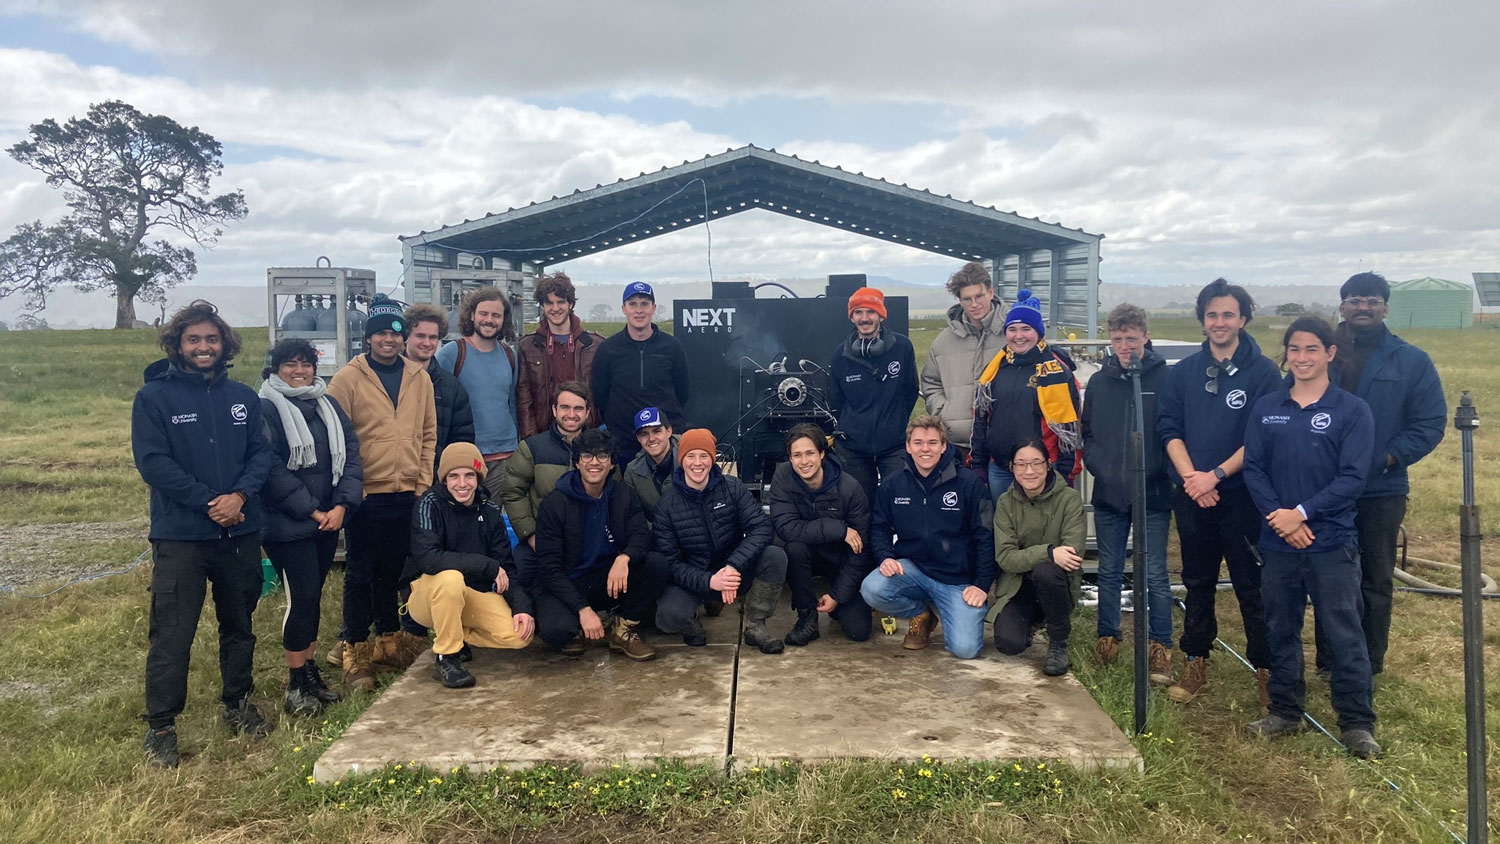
(1400, 384)
(873, 390)
(197, 440)
(933, 533)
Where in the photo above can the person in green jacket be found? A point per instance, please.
(1039, 541)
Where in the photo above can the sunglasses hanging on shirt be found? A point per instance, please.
(1211, 386)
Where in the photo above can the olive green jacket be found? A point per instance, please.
(1026, 527)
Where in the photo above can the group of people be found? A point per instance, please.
(495, 491)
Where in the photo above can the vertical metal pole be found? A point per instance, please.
(1138, 537)
(1466, 419)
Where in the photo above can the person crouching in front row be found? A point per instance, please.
(463, 579)
(594, 554)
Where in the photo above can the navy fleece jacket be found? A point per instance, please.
(873, 397)
(943, 523)
(1212, 425)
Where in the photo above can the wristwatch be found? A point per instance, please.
(1219, 473)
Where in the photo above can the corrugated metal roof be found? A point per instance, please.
(1430, 283)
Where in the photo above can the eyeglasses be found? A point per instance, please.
(1029, 466)
(593, 458)
(1211, 386)
(1364, 301)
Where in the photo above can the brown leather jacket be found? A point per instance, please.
(538, 377)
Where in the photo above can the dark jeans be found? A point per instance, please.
(557, 623)
(1378, 521)
(678, 606)
(864, 467)
(1045, 597)
(302, 566)
(1227, 531)
(180, 576)
(378, 539)
(804, 562)
(1331, 579)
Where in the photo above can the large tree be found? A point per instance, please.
(125, 176)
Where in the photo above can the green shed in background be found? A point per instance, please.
(1431, 303)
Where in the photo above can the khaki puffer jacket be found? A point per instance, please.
(1025, 527)
(396, 443)
(954, 362)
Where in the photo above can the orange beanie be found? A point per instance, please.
(697, 438)
(867, 297)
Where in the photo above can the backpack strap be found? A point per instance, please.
(463, 346)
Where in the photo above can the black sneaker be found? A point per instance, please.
(805, 630)
(450, 671)
(694, 635)
(465, 653)
(1361, 744)
(320, 688)
(1274, 725)
(574, 647)
(1057, 659)
(161, 747)
(246, 720)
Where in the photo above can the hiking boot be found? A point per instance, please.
(301, 698)
(1190, 684)
(1262, 684)
(625, 639)
(409, 646)
(574, 647)
(450, 671)
(694, 635)
(1361, 744)
(1057, 659)
(1161, 665)
(920, 631)
(335, 655)
(1106, 649)
(386, 655)
(359, 675)
(320, 688)
(161, 747)
(805, 630)
(245, 719)
(1274, 725)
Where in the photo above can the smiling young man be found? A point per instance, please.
(594, 555)
(487, 368)
(539, 462)
(975, 334)
(823, 519)
(650, 472)
(559, 350)
(198, 444)
(455, 419)
(932, 533)
(1307, 455)
(1201, 416)
(641, 366)
(873, 388)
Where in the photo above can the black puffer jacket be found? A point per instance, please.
(289, 498)
(560, 542)
(816, 518)
(701, 532)
(448, 536)
(455, 420)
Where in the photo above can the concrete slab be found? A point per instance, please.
(841, 699)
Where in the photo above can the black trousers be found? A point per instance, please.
(303, 567)
(378, 539)
(557, 623)
(867, 468)
(1045, 597)
(1225, 532)
(1378, 523)
(180, 577)
(805, 562)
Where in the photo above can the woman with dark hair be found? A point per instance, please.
(314, 485)
(1039, 542)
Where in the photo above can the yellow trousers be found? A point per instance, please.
(458, 614)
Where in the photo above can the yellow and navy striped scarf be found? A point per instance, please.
(1052, 381)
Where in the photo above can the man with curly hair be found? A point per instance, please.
(558, 351)
(975, 334)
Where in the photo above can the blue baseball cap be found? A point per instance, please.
(647, 417)
(638, 288)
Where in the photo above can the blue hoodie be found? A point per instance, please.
(1213, 424)
(194, 439)
(873, 397)
(599, 545)
(944, 523)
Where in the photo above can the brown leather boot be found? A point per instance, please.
(359, 675)
(1190, 684)
(386, 655)
(409, 646)
(920, 631)
(1106, 649)
(625, 639)
(1262, 679)
(1161, 665)
(335, 656)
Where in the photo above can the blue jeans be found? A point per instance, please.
(909, 594)
(1000, 480)
(1331, 580)
(1112, 530)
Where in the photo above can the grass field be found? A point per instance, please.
(71, 667)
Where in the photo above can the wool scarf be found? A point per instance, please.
(1052, 381)
(304, 450)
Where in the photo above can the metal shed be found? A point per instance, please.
(1059, 264)
(1431, 303)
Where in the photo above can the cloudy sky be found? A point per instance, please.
(1270, 142)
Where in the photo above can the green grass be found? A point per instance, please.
(71, 667)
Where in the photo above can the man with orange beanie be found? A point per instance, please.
(874, 389)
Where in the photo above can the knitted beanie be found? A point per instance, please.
(461, 456)
(1027, 310)
(697, 438)
(386, 314)
(867, 297)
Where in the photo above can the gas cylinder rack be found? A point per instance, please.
(445, 287)
(322, 304)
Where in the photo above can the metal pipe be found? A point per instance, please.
(1465, 420)
(1138, 531)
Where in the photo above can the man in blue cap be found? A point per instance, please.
(639, 367)
(650, 472)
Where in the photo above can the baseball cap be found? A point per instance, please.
(638, 288)
(647, 417)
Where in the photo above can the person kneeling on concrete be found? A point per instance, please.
(1039, 538)
(594, 553)
(822, 515)
(717, 543)
(931, 532)
(463, 579)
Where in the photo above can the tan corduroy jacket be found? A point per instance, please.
(396, 443)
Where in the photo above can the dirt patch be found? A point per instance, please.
(33, 555)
